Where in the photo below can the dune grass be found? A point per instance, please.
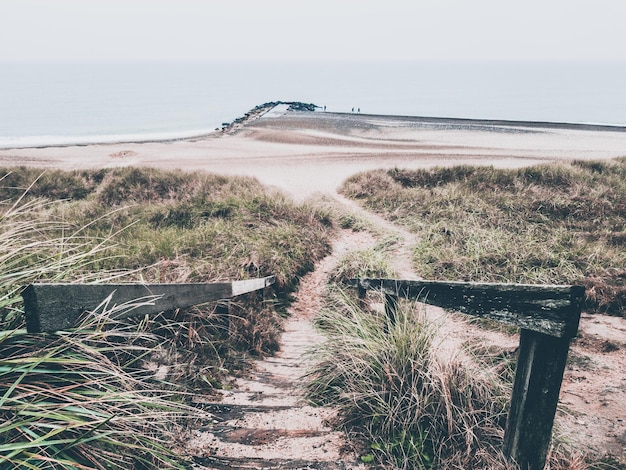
(547, 224)
(176, 226)
(36, 247)
(73, 401)
(371, 262)
(206, 226)
(405, 405)
(412, 409)
(89, 397)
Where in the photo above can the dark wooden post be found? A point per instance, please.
(362, 293)
(222, 310)
(266, 295)
(391, 308)
(540, 368)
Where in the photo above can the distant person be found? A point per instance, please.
(358, 110)
(352, 109)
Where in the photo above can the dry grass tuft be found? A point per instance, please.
(546, 224)
(413, 410)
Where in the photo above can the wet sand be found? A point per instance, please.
(303, 153)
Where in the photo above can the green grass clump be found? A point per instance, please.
(69, 401)
(32, 183)
(33, 248)
(405, 406)
(78, 399)
(547, 224)
(371, 262)
(413, 410)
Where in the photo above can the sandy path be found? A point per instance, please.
(265, 422)
(275, 428)
(402, 252)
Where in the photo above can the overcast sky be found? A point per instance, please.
(313, 29)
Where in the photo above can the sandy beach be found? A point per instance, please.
(303, 153)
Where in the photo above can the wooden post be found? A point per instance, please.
(362, 293)
(265, 295)
(222, 310)
(538, 377)
(391, 308)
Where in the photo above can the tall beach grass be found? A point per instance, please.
(89, 397)
(407, 405)
(411, 408)
(72, 401)
(544, 224)
(68, 401)
(547, 224)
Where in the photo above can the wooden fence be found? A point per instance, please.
(53, 307)
(548, 316)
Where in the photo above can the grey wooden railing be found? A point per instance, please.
(53, 307)
(548, 318)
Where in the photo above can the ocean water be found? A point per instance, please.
(63, 103)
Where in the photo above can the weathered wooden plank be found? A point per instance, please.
(52, 307)
(550, 309)
(538, 377)
(250, 285)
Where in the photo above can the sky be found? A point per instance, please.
(308, 30)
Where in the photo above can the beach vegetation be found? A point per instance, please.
(205, 227)
(91, 397)
(371, 262)
(78, 400)
(411, 409)
(410, 403)
(547, 224)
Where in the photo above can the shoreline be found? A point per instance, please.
(306, 153)
(226, 128)
(229, 128)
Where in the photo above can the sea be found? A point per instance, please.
(48, 103)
